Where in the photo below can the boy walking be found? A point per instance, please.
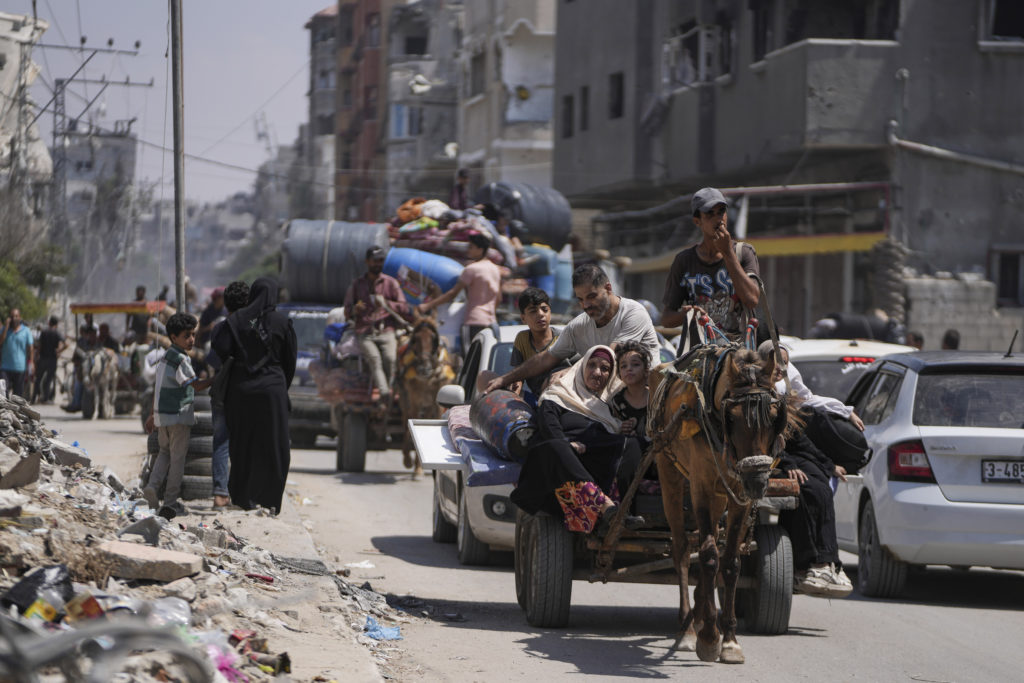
(173, 415)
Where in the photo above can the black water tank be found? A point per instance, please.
(544, 211)
(320, 259)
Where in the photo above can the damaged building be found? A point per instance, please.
(839, 129)
(422, 95)
(506, 100)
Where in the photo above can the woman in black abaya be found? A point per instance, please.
(262, 344)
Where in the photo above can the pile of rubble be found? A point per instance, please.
(77, 546)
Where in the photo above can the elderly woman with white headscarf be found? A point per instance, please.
(578, 462)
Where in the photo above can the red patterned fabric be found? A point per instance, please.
(581, 503)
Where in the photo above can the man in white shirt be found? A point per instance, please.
(606, 319)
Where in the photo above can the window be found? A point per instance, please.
(346, 90)
(852, 19)
(325, 79)
(616, 95)
(406, 121)
(324, 124)
(476, 74)
(1009, 268)
(764, 29)
(345, 25)
(988, 397)
(370, 102)
(346, 159)
(415, 45)
(373, 30)
(1005, 20)
(878, 403)
(584, 108)
(567, 116)
(726, 31)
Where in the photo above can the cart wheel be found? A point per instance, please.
(88, 404)
(472, 551)
(549, 579)
(351, 455)
(521, 556)
(443, 531)
(879, 574)
(767, 605)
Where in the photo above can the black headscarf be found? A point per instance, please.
(249, 325)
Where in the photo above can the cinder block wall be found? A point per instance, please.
(966, 303)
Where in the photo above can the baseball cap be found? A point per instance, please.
(706, 199)
(374, 253)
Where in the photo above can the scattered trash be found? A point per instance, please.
(260, 577)
(378, 632)
(365, 564)
(453, 616)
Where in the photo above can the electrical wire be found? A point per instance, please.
(265, 103)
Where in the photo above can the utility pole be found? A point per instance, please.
(179, 155)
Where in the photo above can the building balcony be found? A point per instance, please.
(817, 94)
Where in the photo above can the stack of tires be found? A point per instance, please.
(197, 484)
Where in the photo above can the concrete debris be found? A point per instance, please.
(131, 561)
(20, 473)
(57, 508)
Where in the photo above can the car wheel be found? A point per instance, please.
(471, 550)
(443, 531)
(879, 574)
(351, 455)
(549, 579)
(521, 556)
(767, 605)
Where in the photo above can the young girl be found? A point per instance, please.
(630, 404)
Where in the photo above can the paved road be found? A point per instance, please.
(950, 627)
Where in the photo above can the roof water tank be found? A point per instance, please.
(544, 211)
(320, 259)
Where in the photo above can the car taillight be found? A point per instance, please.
(857, 359)
(908, 462)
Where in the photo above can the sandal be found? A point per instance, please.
(629, 522)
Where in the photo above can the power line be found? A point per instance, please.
(265, 103)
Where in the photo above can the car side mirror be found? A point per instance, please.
(451, 395)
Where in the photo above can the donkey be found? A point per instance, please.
(99, 375)
(716, 419)
(424, 366)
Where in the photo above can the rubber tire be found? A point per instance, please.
(203, 425)
(200, 467)
(153, 442)
(303, 438)
(472, 551)
(196, 487)
(442, 530)
(521, 556)
(352, 443)
(200, 445)
(768, 605)
(879, 574)
(202, 403)
(88, 404)
(549, 579)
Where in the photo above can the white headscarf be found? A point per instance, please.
(571, 392)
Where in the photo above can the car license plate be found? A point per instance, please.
(1002, 471)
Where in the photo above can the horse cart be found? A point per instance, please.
(112, 383)
(548, 558)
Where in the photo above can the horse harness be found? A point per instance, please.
(702, 368)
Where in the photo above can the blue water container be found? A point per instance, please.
(563, 294)
(420, 271)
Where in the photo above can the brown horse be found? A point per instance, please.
(424, 366)
(718, 420)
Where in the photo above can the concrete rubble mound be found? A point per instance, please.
(79, 549)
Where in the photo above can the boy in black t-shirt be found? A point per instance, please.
(713, 276)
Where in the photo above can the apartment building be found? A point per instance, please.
(839, 126)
